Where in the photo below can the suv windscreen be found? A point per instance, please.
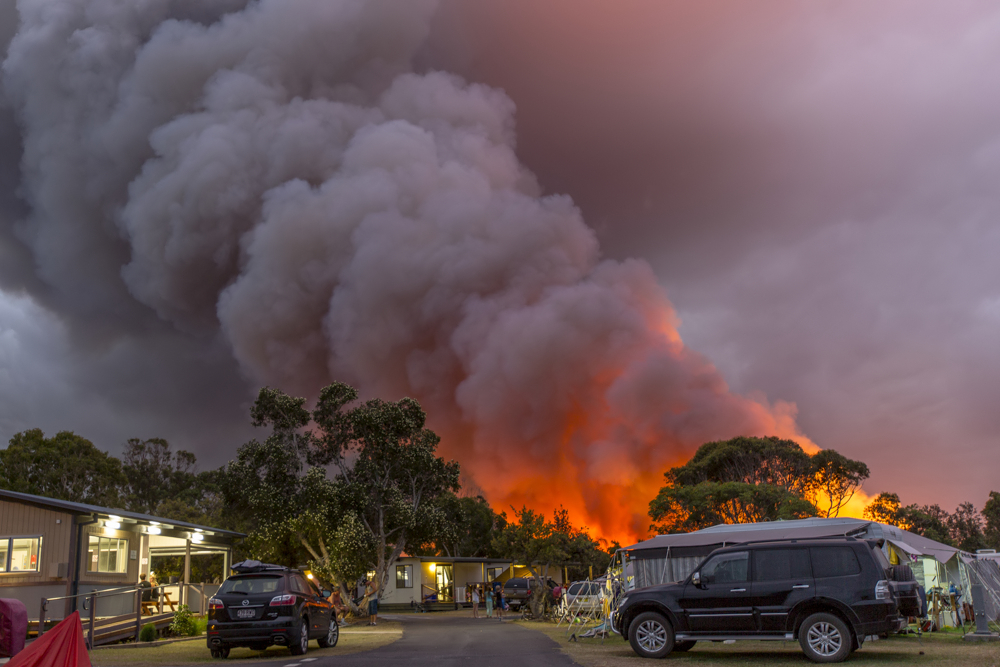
(834, 562)
(252, 584)
(726, 568)
(781, 564)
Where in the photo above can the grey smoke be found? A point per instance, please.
(280, 178)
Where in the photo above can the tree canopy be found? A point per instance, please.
(353, 491)
(65, 466)
(745, 480)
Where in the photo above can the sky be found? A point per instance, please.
(586, 236)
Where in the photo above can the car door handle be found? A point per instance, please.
(801, 586)
(737, 590)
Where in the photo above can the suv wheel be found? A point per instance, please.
(299, 643)
(651, 635)
(332, 635)
(825, 638)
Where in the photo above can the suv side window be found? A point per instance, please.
(834, 562)
(727, 568)
(781, 564)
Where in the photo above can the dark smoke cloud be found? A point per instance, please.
(217, 195)
(282, 179)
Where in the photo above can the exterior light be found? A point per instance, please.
(309, 575)
(153, 530)
(198, 530)
(197, 537)
(115, 518)
(154, 523)
(114, 525)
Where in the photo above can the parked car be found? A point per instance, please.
(517, 590)
(265, 604)
(828, 594)
(584, 596)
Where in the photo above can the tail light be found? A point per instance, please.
(282, 600)
(214, 604)
(882, 591)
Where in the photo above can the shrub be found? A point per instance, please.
(184, 624)
(147, 633)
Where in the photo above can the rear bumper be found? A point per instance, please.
(277, 631)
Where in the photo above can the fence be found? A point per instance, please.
(114, 628)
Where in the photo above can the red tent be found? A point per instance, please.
(62, 646)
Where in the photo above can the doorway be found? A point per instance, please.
(444, 576)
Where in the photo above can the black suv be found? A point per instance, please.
(829, 594)
(265, 604)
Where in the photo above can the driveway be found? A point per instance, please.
(432, 640)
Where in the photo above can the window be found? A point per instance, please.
(252, 584)
(20, 554)
(495, 572)
(404, 576)
(107, 554)
(781, 564)
(726, 568)
(834, 562)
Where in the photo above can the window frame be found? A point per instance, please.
(9, 539)
(98, 537)
(407, 579)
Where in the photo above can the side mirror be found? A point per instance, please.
(326, 593)
(696, 578)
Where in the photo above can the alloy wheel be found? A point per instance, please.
(824, 638)
(652, 636)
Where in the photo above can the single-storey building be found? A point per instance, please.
(60, 549)
(447, 580)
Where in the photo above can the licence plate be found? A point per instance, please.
(245, 613)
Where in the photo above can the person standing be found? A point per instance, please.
(498, 601)
(489, 602)
(371, 592)
(475, 602)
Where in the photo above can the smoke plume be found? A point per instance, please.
(281, 176)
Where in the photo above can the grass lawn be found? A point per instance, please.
(353, 639)
(898, 651)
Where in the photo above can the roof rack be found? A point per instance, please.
(256, 566)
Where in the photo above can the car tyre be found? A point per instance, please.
(680, 647)
(220, 652)
(299, 640)
(651, 635)
(332, 636)
(825, 638)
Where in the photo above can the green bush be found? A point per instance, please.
(147, 633)
(184, 623)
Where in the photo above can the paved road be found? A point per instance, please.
(430, 640)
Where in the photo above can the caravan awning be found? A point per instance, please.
(761, 532)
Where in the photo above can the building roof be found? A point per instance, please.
(85, 509)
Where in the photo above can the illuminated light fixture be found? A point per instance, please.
(197, 537)
(309, 575)
(154, 523)
(114, 525)
(198, 530)
(153, 530)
